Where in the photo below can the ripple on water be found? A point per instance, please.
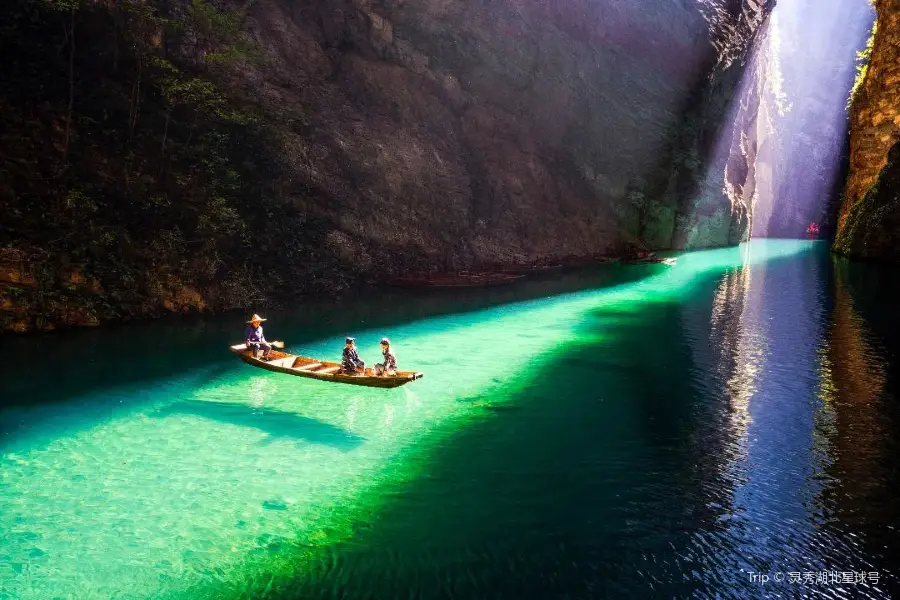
(660, 438)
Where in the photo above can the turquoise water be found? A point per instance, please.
(629, 431)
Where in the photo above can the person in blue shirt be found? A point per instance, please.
(351, 363)
(254, 337)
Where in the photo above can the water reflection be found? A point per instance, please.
(855, 385)
(807, 449)
(738, 347)
(673, 436)
(765, 326)
(779, 495)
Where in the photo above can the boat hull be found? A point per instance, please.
(281, 362)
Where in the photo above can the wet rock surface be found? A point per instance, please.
(871, 228)
(869, 221)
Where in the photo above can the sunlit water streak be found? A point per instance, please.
(203, 480)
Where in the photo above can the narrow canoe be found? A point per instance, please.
(282, 362)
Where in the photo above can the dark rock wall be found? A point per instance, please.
(390, 137)
(509, 129)
(871, 228)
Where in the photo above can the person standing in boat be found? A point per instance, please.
(351, 363)
(254, 337)
(389, 366)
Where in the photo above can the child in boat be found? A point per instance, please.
(351, 363)
(254, 338)
(389, 366)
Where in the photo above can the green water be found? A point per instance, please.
(626, 431)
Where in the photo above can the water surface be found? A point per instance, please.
(630, 432)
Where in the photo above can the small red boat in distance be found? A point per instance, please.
(813, 230)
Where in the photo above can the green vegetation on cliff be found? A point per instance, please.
(862, 68)
(130, 183)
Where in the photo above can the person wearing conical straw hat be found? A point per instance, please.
(256, 341)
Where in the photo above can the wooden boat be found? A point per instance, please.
(282, 362)
(458, 280)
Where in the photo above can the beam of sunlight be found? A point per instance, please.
(775, 503)
(204, 479)
(809, 65)
(740, 346)
(729, 167)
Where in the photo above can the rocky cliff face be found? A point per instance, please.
(804, 140)
(392, 136)
(869, 220)
(507, 129)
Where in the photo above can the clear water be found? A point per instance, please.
(624, 431)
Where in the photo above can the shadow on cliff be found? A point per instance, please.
(55, 367)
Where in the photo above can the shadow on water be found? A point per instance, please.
(66, 364)
(582, 490)
(608, 482)
(278, 424)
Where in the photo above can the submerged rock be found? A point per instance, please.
(275, 504)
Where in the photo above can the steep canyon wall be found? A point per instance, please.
(810, 59)
(513, 129)
(352, 139)
(869, 220)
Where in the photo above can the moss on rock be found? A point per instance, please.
(872, 226)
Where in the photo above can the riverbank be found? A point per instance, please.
(82, 304)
